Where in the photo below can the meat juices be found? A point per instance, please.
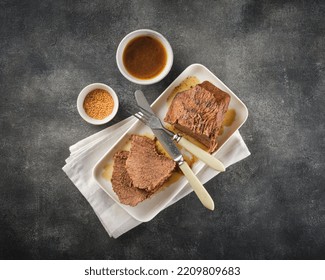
(138, 174)
(199, 112)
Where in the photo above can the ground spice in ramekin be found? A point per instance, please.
(98, 104)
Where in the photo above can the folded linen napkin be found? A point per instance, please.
(88, 151)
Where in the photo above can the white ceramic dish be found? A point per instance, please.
(149, 208)
(144, 32)
(82, 95)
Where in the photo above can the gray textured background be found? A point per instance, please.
(270, 206)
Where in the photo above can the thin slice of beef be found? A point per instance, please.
(147, 169)
(122, 183)
(199, 112)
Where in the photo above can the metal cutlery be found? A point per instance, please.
(171, 148)
(147, 115)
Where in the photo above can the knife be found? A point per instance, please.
(193, 149)
(171, 148)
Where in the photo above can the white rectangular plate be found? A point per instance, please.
(149, 208)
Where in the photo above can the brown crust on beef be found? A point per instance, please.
(199, 112)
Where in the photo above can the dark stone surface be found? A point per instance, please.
(270, 206)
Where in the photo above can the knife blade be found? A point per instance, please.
(171, 148)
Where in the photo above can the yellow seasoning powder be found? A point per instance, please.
(98, 104)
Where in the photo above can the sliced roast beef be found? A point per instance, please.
(122, 184)
(147, 169)
(199, 112)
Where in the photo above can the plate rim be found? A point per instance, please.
(96, 166)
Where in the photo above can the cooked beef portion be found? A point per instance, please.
(199, 112)
(122, 184)
(147, 169)
(138, 174)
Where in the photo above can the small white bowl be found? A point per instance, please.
(144, 32)
(82, 96)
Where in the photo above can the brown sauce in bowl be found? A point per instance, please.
(144, 57)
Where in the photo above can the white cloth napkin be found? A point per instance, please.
(88, 151)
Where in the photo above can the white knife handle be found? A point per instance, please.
(197, 186)
(202, 155)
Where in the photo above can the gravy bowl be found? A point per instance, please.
(138, 33)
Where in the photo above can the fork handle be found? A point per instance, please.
(201, 154)
(197, 186)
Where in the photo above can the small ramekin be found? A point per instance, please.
(82, 96)
(144, 32)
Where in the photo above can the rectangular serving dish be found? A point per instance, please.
(149, 208)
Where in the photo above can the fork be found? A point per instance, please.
(154, 122)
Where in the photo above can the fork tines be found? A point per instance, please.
(140, 116)
(143, 115)
(146, 113)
